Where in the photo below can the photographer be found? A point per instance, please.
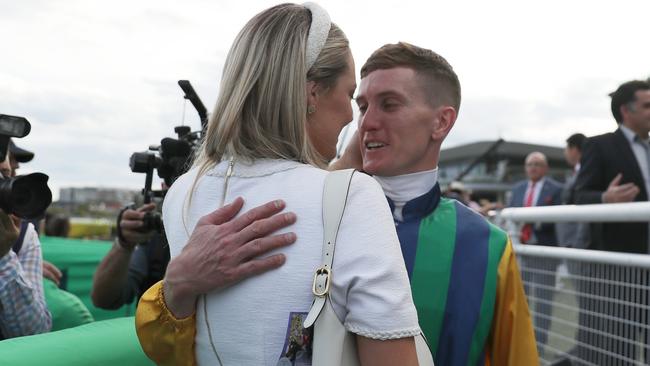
(136, 261)
(140, 254)
(18, 155)
(22, 305)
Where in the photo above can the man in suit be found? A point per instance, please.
(538, 190)
(615, 168)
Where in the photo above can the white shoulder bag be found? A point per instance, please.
(332, 343)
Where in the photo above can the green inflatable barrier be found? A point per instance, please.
(81, 341)
(78, 259)
(109, 342)
(66, 309)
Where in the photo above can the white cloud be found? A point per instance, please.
(98, 79)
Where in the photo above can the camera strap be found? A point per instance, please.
(18, 244)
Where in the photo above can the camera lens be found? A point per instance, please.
(25, 196)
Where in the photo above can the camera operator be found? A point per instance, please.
(137, 260)
(18, 155)
(140, 254)
(22, 304)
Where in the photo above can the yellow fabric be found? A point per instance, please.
(512, 337)
(164, 339)
(170, 341)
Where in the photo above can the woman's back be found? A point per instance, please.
(259, 320)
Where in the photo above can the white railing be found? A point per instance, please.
(610, 212)
(589, 307)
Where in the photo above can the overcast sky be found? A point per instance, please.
(97, 79)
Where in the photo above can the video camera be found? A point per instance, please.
(171, 158)
(25, 196)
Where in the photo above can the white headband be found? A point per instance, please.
(318, 32)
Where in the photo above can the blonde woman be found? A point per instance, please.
(284, 96)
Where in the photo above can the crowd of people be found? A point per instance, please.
(243, 227)
(609, 168)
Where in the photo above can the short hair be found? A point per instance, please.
(626, 94)
(577, 140)
(537, 154)
(438, 75)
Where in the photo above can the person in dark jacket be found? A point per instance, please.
(615, 167)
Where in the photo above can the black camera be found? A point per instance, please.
(25, 196)
(170, 159)
(152, 221)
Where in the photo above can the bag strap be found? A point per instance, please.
(335, 196)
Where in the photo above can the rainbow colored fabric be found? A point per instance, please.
(466, 285)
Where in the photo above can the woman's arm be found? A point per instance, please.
(164, 339)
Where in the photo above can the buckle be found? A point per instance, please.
(327, 273)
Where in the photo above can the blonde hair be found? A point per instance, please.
(261, 110)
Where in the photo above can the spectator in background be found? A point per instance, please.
(137, 260)
(57, 225)
(572, 234)
(615, 168)
(538, 190)
(22, 304)
(459, 192)
(575, 234)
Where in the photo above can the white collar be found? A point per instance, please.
(405, 187)
(538, 184)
